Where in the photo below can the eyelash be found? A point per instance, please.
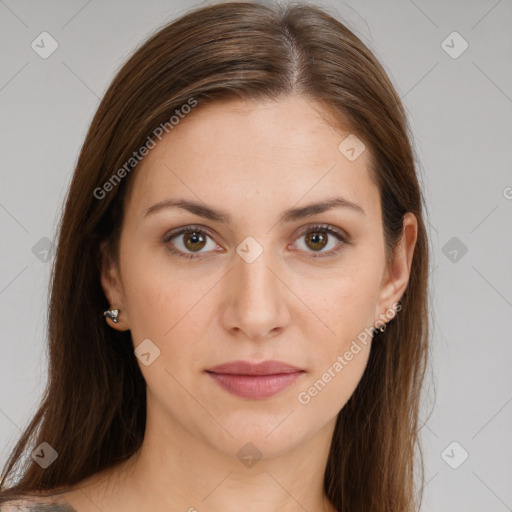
(311, 229)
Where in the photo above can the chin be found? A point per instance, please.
(272, 435)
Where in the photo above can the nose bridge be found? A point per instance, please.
(254, 280)
(257, 305)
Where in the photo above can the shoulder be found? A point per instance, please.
(36, 504)
(75, 498)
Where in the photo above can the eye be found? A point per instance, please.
(319, 237)
(191, 240)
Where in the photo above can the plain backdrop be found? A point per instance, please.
(451, 63)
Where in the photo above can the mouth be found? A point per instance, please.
(255, 380)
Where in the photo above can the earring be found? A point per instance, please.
(112, 314)
(378, 330)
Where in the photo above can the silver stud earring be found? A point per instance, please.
(112, 314)
(378, 330)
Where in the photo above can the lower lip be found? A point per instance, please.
(255, 386)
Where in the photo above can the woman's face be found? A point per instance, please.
(262, 279)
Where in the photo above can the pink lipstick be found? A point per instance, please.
(255, 380)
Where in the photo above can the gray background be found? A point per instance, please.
(460, 111)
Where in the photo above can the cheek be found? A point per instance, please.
(159, 307)
(333, 384)
(346, 306)
(167, 305)
(345, 303)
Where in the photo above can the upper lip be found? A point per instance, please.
(270, 367)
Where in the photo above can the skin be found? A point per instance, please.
(254, 161)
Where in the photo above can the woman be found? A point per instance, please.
(238, 313)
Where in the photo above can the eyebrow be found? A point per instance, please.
(291, 215)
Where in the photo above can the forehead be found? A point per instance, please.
(234, 152)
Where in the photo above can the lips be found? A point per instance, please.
(255, 380)
(271, 367)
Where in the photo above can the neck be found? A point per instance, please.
(173, 470)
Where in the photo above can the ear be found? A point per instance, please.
(112, 288)
(396, 276)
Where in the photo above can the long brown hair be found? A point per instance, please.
(93, 411)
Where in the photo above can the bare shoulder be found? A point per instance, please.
(91, 494)
(36, 504)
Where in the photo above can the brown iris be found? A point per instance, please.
(192, 240)
(317, 239)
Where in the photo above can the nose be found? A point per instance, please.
(257, 299)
